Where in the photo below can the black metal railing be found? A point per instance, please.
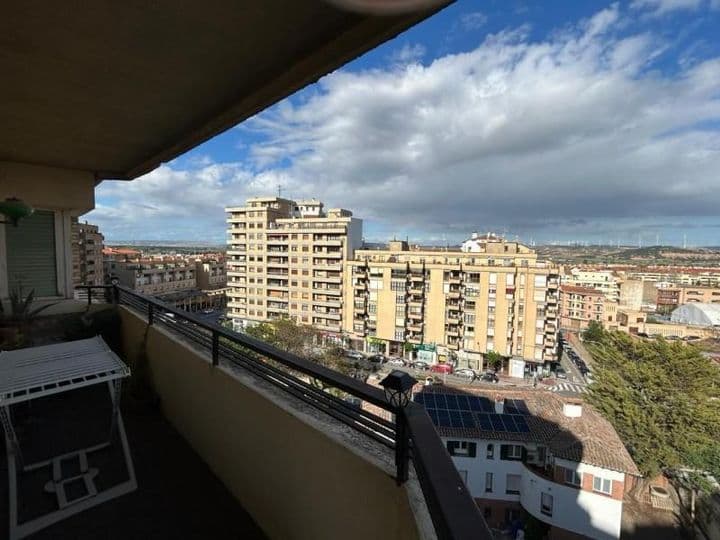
(412, 434)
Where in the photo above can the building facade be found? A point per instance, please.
(210, 274)
(285, 259)
(153, 279)
(495, 298)
(556, 459)
(605, 281)
(579, 306)
(87, 254)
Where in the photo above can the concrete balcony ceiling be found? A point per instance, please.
(117, 88)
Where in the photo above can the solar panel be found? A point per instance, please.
(463, 403)
(433, 416)
(444, 418)
(419, 398)
(452, 402)
(456, 419)
(521, 424)
(484, 420)
(497, 422)
(508, 422)
(468, 420)
(475, 404)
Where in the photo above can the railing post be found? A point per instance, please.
(116, 294)
(215, 348)
(151, 312)
(89, 295)
(402, 447)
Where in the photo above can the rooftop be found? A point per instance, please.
(588, 439)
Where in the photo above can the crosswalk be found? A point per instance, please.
(569, 387)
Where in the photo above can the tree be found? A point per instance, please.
(494, 360)
(594, 331)
(661, 397)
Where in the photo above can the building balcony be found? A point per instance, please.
(453, 332)
(360, 286)
(327, 291)
(452, 320)
(414, 326)
(333, 243)
(328, 279)
(414, 289)
(415, 316)
(453, 280)
(454, 295)
(415, 340)
(416, 277)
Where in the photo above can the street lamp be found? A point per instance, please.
(15, 210)
(398, 387)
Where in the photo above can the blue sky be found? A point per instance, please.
(550, 121)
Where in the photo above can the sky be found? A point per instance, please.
(547, 121)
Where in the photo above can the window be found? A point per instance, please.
(399, 334)
(510, 452)
(462, 448)
(31, 255)
(490, 451)
(488, 482)
(512, 484)
(546, 504)
(602, 485)
(573, 477)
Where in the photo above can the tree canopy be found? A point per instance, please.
(662, 398)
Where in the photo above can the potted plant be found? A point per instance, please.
(15, 323)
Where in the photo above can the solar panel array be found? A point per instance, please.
(474, 412)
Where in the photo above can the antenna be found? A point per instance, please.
(279, 190)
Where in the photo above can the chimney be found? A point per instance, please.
(499, 404)
(572, 410)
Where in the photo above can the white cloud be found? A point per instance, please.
(473, 21)
(408, 54)
(661, 7)
(571, 135)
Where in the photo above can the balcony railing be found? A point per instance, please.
(412, 434)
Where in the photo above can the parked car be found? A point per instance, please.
(377, 359)
(396, 361)
(419, 364)
(560, 373)
(432, 380)
(466, 372)
(355, 355)
(442, 368)
(490, 376)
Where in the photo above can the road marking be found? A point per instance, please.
(569, 387)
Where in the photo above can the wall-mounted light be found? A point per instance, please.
(15, 210)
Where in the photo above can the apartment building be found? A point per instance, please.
(153, 279)
(285, 259)
(495, 297)
(605, 281)
(579, 306)
(555, 458)
(638, 294)
(210, 274)
(87, 253)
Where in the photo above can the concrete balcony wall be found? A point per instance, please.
(299, 473)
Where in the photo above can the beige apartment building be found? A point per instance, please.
(285, 259)
(153, 279)
(87, 253)
(495, 297)
(605, 281)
